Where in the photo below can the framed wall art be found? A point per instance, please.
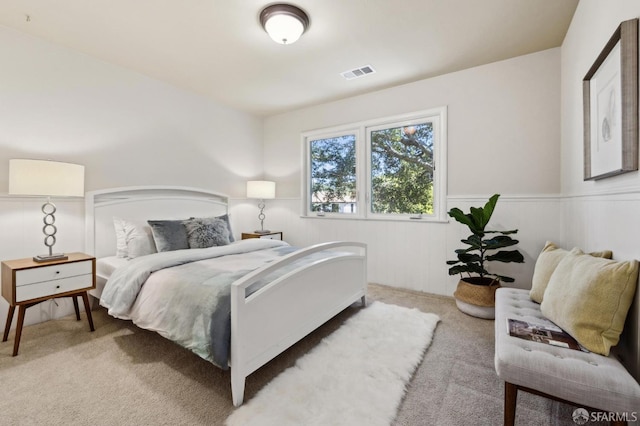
(610, 100)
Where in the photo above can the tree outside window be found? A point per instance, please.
(333, 174)
(402, 169)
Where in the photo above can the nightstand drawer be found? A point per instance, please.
(277, 236)
(53, 272)
(49, 288)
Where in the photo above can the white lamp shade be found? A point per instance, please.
(284, 29)
(261, 189)
(42, 177)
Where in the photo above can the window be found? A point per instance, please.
(392, 168)
(333, 174)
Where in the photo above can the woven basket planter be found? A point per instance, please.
(476, 300)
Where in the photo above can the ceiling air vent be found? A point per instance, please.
(358, 72)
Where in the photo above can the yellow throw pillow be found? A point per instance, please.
(589, 298)
(547, 262)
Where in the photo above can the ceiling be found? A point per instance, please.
(217, 47)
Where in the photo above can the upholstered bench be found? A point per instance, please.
(585, 379)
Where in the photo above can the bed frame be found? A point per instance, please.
(260, 327)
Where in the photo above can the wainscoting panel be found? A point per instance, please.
(413, 255)
(610, 222)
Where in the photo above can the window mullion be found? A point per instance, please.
(361, 173)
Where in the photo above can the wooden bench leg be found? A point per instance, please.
(7, 326)
(510, 399)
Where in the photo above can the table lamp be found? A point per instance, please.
(50, 179)
(261, 190)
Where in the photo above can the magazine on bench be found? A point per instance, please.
(549, 333)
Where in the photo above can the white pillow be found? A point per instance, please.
(121, 240)
(133, 240)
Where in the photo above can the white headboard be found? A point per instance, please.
(142, 203)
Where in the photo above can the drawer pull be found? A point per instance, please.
(57, 272)
(57, 286)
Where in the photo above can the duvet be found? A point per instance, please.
(184, 295)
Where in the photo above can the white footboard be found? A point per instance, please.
(284, 311)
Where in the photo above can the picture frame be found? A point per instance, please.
(610, 103)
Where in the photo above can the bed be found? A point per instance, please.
(271, 295)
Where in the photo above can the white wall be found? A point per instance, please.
(127, 129)
(597, 214)
(504, 137)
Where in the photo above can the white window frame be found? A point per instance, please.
(361, 130)
(333, 132)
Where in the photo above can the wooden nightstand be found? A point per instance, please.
(275, 235)
(26, 283)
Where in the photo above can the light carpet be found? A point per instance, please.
(356, 375)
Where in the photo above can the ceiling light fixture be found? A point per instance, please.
(284, 23)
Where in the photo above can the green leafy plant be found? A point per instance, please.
(482, 248)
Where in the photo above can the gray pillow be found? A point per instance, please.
(169, 235)
(206, 232)
(225, 217)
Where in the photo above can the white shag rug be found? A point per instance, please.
(355, 376)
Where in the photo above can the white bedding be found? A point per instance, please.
(184, 294)
(106, 265)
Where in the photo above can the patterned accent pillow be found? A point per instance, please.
(206, 232)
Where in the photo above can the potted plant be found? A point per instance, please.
(475, 294)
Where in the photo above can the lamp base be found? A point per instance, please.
(262, 231)
(50, 257)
